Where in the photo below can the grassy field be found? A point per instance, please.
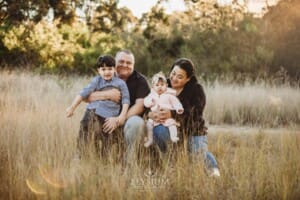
(37, 145)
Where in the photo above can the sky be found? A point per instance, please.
(139, 7)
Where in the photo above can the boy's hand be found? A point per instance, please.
(70, 111)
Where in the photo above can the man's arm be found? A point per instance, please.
(137, 108)
(112, 94)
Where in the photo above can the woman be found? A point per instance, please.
(191, 95)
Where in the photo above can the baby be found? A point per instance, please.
(162, 97)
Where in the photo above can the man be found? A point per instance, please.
(134, 127)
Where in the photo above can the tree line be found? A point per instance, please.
(58, 36)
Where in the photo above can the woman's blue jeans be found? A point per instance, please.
(197, 145)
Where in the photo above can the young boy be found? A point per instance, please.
(162, 97)
(101, 111)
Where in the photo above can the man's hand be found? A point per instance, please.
(114, 95)
(110, 124)
(111, 94)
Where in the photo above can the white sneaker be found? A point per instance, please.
(76, 159)
(214, 172)
(148, 143)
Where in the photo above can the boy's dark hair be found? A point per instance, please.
(105, 61)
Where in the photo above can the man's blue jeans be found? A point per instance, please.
(134, 130)
(197, 145)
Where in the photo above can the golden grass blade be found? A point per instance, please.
(35, 188)
(51, 179)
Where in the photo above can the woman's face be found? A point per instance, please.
(178, 78)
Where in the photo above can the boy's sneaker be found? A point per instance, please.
(214, 172)
(76, 159)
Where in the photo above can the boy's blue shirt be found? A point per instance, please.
(106, 108)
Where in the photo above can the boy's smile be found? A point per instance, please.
(106, 72)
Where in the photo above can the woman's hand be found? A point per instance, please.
(164, 114)
(160, 115)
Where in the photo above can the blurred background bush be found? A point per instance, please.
(52, 37)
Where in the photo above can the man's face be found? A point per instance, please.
(124, 65)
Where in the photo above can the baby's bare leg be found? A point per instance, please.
(173, 133)
(149, 134)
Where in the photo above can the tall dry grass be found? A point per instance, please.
(258, 104)
(37, 145)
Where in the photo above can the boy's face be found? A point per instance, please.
(160, 87)
(107, 73)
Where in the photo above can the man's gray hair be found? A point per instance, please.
(126, 51)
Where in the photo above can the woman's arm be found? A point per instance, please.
(199, 100)
(196, 123)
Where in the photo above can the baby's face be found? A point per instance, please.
(160, 87)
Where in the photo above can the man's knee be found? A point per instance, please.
(134, 128)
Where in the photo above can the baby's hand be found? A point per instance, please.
(180, 111)
(69, 111)
(153, 102)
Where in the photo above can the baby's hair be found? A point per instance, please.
(105, 61)
(158, 77)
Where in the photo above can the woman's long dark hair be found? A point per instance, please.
(188, 66)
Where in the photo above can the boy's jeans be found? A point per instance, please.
(134, 129)
(197, 145)
(91, 133)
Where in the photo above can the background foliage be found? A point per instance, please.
(67, 36)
